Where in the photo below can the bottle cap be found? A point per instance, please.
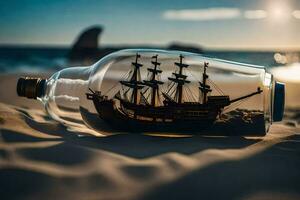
(31, 87)
(279, 94)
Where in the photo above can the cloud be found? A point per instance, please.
(255, 14)
(215, 13)
(202, 14)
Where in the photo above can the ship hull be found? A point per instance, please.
(175, 119)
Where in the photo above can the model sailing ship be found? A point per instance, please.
(129, 109)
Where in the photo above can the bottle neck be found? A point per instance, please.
(36, 88)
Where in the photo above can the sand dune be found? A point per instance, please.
(42, 159)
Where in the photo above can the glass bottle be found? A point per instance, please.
(142, 90)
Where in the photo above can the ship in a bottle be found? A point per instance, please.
(143, 106)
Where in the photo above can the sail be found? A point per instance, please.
(204, 88)
(134, 81)
(133, 84)
(153, 82)
(180, 80)
(156, 71)
(178, 76)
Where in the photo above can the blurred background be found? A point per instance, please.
(40, 36)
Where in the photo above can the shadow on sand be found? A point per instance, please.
(274, 169)
(270, 174)
(135, 145)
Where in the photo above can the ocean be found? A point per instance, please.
(45, 59)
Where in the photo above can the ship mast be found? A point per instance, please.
(180, 79)
(134, 81)
(204, 88)
(153, 82)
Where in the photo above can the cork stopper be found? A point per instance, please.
(31, 87)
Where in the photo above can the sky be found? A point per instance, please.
(236, 24)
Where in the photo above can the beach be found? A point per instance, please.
(43, 159)
(150, 100)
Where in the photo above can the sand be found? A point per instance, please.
(42, 159)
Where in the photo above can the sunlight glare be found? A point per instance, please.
(279, 11)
